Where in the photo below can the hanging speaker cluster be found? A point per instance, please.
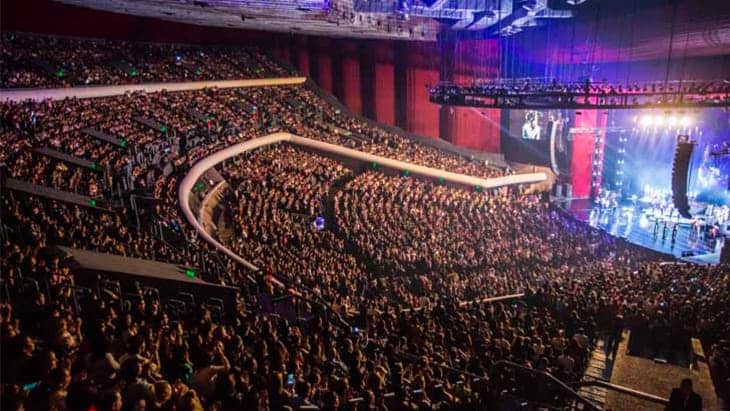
(680, 167)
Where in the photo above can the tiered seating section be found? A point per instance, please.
(39, 61)
(404, 262)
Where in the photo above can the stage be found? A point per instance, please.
(637, 225)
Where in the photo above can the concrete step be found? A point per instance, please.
(599, 400)
(599, 367)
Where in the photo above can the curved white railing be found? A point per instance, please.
(212, 160)
(61, 93)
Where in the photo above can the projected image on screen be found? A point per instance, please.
(531, 129)
(536, 137)
(711, 179)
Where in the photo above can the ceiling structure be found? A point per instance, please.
(386, 19)
(601, 30)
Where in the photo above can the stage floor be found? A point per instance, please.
(628, 222)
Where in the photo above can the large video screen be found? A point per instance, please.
(533, 125)
(532, 136)
(712, 172)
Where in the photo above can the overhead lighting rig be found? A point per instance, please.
(544, 94)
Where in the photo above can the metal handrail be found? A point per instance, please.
(588, 405)
(624, 390)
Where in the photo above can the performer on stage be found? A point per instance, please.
(675, 228)
(697, 228)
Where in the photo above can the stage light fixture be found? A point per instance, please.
(646, 120)
(686, 121)
(672, 121)
(658, 120)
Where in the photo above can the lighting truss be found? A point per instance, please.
(545, 94)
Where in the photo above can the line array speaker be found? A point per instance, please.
(680, 167)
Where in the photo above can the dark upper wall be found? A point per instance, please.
(46, 16)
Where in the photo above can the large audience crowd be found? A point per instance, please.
(388, 294)
(40, 61)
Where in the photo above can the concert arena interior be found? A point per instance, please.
(348, 205)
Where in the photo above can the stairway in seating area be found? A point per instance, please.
(599, 367)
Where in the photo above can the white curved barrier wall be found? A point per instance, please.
(106, 91)
(212, 160)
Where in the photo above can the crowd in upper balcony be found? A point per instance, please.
(42, 61)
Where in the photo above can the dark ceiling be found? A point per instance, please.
(601, 30)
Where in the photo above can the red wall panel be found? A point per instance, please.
(303, 66)
(581, 164)
(351, 79)
(385, 93)
(423, 116)
(477, 129)
(325, 72)
(283, 53)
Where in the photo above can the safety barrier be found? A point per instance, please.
(107, 91)
(212, 160)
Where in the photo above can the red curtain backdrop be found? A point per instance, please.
(477, 59)
(385, 93)
(283, 53)
(474, 128)
(351, 79)
(303, 66)
(477, 129)
(422, 115)
(325, 72)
